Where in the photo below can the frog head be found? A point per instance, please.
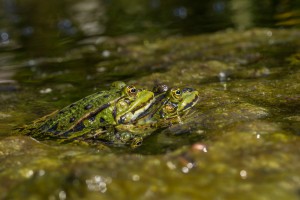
(170, 104)
(174, 95)
(129, 94)
(179, 103)
(140, 101)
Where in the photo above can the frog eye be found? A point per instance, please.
(131, 90)
(176, 93)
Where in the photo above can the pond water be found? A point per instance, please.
(240, 142)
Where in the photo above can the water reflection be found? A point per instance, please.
(242, 16)
(180, 12)
(90, 16)
(50, 28)
(4, 37)
(167, 17)
(66, 27)
(66, 39)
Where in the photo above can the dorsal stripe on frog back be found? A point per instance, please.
(73, 114)
(92, 114)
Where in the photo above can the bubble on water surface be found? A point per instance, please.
(62, 195)
(4, 37)
(185, 170)
(222, 76)
(171, 165)
(106, 53)
(135, 177)
(98, 183)
(46, 91)
(243, 174)
(29, 173)
(269, 33)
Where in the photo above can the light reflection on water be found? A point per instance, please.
(45, 34)
(98, 183)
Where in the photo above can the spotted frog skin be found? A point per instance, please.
(121, 115)
(92, 112)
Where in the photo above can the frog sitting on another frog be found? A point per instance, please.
(121, 115)
(169, 108)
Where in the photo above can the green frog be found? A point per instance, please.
(179, 104)
(121, 115)
(169, 107)
(172, 103)
(94, 111)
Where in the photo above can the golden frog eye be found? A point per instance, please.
(131, 90)
(176, 94)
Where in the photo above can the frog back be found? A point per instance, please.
(71, 116)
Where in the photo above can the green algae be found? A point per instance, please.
(240, 142)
